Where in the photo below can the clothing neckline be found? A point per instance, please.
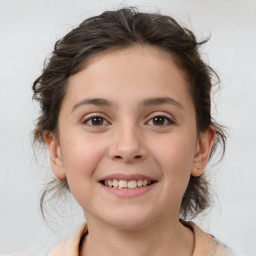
(71, 246)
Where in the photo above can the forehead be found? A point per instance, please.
(151, 55)
(129, 72)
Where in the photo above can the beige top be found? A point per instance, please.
(205, 244)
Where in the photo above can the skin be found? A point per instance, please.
(127, 139)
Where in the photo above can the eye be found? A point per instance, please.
(95, 121)
(160, 121)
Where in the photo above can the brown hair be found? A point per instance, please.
(121, 29)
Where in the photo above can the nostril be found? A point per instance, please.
(135, 157)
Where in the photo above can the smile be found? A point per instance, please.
(125, 184)
(127, 188)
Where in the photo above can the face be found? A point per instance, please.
(127, 140)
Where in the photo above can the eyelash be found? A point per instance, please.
(91, 118)
(167, 120)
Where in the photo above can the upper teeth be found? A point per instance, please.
(126, 184)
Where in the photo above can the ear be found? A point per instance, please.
(56, 160)
(204, 146)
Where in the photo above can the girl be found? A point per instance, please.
(126, 116)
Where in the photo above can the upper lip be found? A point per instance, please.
(121, 176)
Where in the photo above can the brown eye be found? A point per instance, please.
(158, 120)
(95, 121)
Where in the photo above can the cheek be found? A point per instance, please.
(81, 156)
(175, 151)
(175, 154)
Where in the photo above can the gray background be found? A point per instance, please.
(28, 31)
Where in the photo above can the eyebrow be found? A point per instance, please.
(144, 103)
(95, 101)
(160, 101)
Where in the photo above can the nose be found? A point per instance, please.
(127, 145)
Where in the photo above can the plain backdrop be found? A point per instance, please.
(28, 31)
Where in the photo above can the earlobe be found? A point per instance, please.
(196, 172)
(55, 155)
(204, 147)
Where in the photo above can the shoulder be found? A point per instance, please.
(218, 248)
(206, 244)
(20, 254)
(66, 247)
(17, 254)
(14, 254)
(69, 246)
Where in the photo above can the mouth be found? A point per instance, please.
(127, 184)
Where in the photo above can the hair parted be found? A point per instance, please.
(124, 28)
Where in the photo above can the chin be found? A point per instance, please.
(129, 220)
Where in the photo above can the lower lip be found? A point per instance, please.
(134, 192)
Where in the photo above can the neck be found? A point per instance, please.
(164, 238)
